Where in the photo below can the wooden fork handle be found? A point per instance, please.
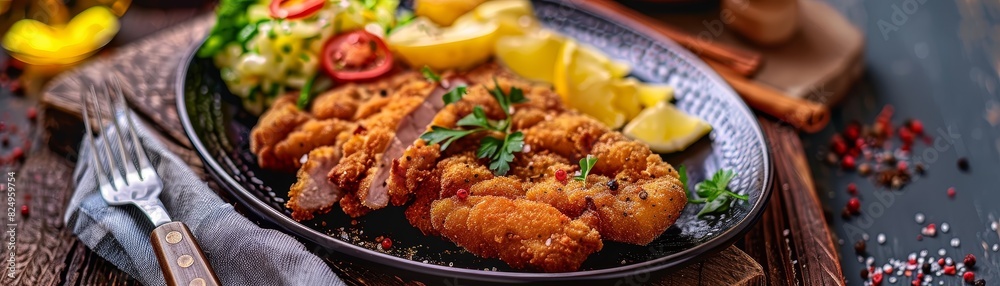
(180, 258)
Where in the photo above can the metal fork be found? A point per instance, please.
(134, 181)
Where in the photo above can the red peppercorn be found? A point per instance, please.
(969, 277)
(853, 131)
(462, 193)
(901, 166)
(860, 143)
(907, 147)
(906, 135)
(386, 243)
(24, 210)
(16, 153)
(916, 126)
(970, 260)
(941, 261)
(877, 279)
(847, 163)
(854, 205)
(839, 147)
(561, 175)
(852, 189)
(951, 192)
(949, 270)
(32, 113)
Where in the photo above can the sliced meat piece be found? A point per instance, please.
(371, 175)
(312, 193)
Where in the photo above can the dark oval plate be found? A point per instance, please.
(218, 127)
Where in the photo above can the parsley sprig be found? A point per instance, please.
(500, 151)
(430, 75)
(714, 192)
(586, 164)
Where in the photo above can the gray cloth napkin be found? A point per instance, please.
(240, 252)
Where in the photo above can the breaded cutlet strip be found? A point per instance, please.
(647, 200)
(524, 234)
(312, 193)
(363, 151)
(274, 126)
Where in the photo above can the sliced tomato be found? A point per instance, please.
(294, 9)
(356, 56)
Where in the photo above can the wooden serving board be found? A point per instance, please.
(819, 63)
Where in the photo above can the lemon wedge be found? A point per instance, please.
(444, 12)
(38, 43)
(584, 83)
(531, 56)
(666, 129)
(626, 96)
(460, 46)
(513, 17)
(652, 94)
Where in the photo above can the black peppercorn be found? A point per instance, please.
(859, 247)
(963, 164)
(981, 282)
(926, 268)
(613, 185)
(864, 274)
(970, 260)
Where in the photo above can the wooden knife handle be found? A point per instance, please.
(180, 258)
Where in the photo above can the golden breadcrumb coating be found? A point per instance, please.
(523, 233)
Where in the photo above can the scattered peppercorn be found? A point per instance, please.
(847, 163)
(854, 205)
(949, 270)
(852, 189)
(970, 260)
(877, 279)
(859, 247)
(32, 113)
(613, 185)
(920, 168)
(951, 192)
(24, 210)
(969, 277)
(462, 193)
(902, 166)
(926, 267)
(864, 274)
(561, 175)
(386, 243)
(916, 126)
(845, 213)
(963, 164)
(981, 282)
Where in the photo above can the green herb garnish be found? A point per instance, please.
(500, 151)
(430, 75)
(370, 4)
(455, 94)
(586, 164)
(714, 192)
(305, 95)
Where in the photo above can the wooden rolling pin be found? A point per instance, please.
(805, 115)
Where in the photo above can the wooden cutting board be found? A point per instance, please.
(819, 63)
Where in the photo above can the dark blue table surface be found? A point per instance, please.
(937, 61)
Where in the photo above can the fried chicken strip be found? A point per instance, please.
(525, 234)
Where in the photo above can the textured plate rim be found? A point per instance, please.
(669, 261)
